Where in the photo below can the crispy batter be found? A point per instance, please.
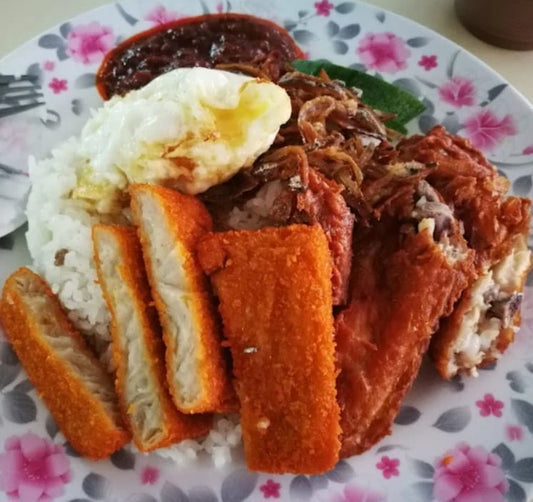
(70, 380)
(449, 347)
(493, 223)
(282, 189)
(406, 275)
(275, 298)
(473, 186)
(399, 292)
(170, 224)
(128, 298)
(382, 420)
(322, 203)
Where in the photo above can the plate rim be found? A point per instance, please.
(369, 7)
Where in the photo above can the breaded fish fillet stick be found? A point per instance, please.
(170, 224)
(138, 350)
(70, 380)
(274, 287)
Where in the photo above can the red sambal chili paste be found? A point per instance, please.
(209, 40)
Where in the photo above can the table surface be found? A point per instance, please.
(23, 19)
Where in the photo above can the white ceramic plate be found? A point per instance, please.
(484, 424)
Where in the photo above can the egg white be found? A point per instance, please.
(191, 128)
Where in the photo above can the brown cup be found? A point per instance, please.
(505, 23)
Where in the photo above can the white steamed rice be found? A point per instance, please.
(56, 222)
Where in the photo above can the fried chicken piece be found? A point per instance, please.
(69, 379)
(485, 319)
(138, 351)
(469, 183)
(274, 287)
(496, 228)
(409, 268)
(170, 225)
(322, 203)
(281, 189)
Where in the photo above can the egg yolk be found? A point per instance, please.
(232, 124)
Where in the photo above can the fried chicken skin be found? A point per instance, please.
(274, 288)
(496, 228)
(69, 379)
(283, 188)
(170, 225)
(475, 189)
(138, 351)
(410, 265)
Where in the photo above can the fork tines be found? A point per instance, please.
(10, 79)
(19, 94)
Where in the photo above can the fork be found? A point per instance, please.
(18, 94)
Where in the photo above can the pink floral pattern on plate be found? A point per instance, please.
(323, 8)
(270, 489)
(58, 85)
(161, 15)
(428, 62)
(514, 433)
(466, 474)
(48, 65)
(149, 475)
(33, 469)
(490, 406)
(469, 100)
(486, 130)
(458, 92)
(384, 52)
(388, 467)
(354, 492)
(87, 43)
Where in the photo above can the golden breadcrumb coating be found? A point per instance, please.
(170, 225)
(132, 312)
(274, 288)
(68, 377)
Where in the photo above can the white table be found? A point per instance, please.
(23, 19)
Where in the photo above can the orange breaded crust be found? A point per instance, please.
(80, 415)
(274, 287)
(176, 426)
(189, 220)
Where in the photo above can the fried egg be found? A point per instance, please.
(190, 129)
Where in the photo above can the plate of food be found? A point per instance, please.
(272, 251)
